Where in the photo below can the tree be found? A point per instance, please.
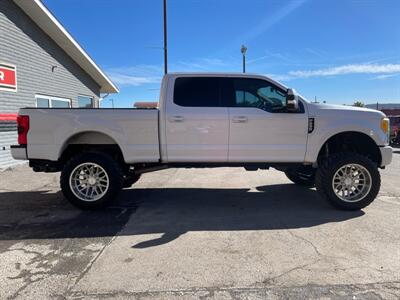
(358, 104)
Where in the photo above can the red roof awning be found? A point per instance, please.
(8, 117)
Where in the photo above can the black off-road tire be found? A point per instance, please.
(328, 168)
(110, 166)
(130, 180)
(301, 176)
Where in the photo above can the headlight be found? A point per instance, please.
(385, 125)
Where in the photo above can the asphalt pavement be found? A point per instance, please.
(219, 233)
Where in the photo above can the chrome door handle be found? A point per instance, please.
(176, 119)
(239, 119)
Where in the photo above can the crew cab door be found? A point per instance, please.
(197, 126)
(261, 130)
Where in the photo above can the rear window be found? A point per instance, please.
(197, 91)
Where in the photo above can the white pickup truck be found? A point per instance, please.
(210, 120)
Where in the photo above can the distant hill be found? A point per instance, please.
(384, 105)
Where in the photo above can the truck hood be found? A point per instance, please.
(334, 119)
(339, 111)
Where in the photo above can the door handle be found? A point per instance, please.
(176, 119)
(239, 119)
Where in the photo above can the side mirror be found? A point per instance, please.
(292, 104)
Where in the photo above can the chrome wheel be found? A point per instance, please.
(89, 182)
(352, 183)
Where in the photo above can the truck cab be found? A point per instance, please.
(216, 118)
(211, 120)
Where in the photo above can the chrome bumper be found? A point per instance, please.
(386, 154)
(19, 152)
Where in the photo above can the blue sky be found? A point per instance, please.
(337, 50)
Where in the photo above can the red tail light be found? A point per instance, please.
(23, 128)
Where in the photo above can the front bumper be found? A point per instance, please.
(19, 152)
(386, 154)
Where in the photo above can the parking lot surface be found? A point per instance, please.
(198, 234)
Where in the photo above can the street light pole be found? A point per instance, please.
(112, 102)
(243, 50)
(165, 38)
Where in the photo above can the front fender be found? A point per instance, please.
(317, 139)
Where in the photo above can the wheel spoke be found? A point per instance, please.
(89, 182)
(351, 182)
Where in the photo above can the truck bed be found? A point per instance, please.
(134, 130)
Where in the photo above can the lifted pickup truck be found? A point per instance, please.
(210, 120)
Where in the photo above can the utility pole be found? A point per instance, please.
(112, 102)
(165, 38)
(243, 50)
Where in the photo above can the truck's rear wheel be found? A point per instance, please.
(304, 176)
(349, 181)
(91, 180)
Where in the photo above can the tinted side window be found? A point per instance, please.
(197, 91)
(260, 94)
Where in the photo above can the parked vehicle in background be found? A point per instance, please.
(394, 129)
(210, 120)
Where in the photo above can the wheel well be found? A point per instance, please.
(90, 137)
(91, 141)
(351, 142)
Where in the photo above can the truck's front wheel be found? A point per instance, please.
(91, 180)
(349, 181)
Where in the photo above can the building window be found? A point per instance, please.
(85, 102)
(43, 101)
